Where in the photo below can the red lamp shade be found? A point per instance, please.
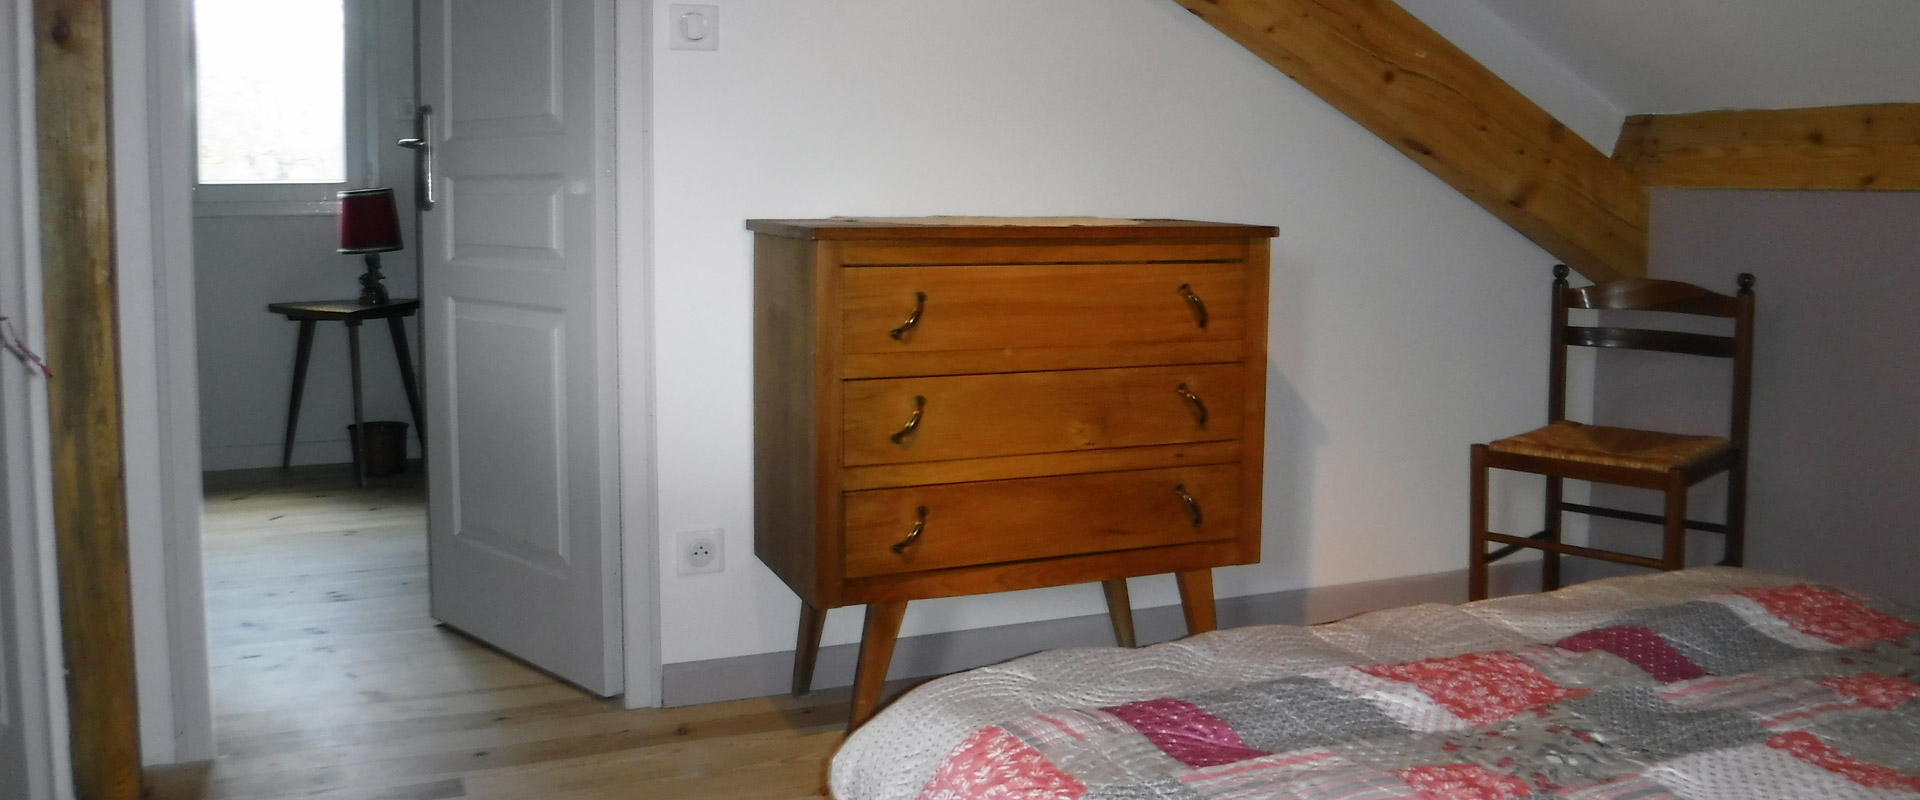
(369, 221)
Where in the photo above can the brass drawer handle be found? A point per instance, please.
(1193, 300)
(913, 319)
(901, 546)
(919, 405)
(1193, 401)
(1193, 506)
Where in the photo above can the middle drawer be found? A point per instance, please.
(900, 420)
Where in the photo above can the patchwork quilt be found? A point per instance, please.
(1701, 685)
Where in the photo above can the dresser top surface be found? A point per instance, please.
(1004, 228)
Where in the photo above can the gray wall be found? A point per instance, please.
(1836, 448)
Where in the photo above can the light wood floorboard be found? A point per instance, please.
(331, 681)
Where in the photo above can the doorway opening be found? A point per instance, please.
(324, 613)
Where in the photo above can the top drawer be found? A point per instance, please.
(925, 309)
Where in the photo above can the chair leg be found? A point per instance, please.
(1675, 556)
(1477, 526)
(1549, 560)
(1736, 515)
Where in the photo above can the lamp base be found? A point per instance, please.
(372, 291)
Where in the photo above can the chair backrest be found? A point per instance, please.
(1673, 297)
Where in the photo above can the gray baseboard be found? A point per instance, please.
(765, 674)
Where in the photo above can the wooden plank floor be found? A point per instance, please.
(330, 681)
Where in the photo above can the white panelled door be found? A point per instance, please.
(517, 321)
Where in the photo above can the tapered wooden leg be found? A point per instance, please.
(807, 650)
(876, 652)
(1675, 556)
(359, 416)
(398, 331)
(1120, 610)
(301, 352)
(1477, 525)
(1549, 560)
(1736, 514)
(1196, 599)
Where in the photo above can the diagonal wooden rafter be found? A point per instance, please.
(1872, 147)
(1407, 84)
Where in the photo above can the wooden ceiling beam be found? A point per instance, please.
(1873, 148)
(1411, 87)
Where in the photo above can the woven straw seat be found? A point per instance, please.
(1614, 447)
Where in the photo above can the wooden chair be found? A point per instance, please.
(1666, 462)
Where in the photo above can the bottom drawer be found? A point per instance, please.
(991, 522)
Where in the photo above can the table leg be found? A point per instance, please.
(876, 652)
(1196, 599)
(399, 331)
(359, 415)
(300, 353)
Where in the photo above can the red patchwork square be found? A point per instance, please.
(1184, 731)
(1872, 689)
(1644, 648)
(1462, 782)
(994, 763)
(1477, 687)
(1807, 747)
(1829, 615)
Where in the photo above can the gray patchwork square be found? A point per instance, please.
(1554, 746)
(1876, 736)
(1296, 713)
(1158, 788)
(1641, 725)
(1712, 636)
(1388, 753)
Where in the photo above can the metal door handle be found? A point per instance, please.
(919, 405)
(901, 546)
(1193, 506)
(1193, 301)
(913, 319)
(421, 143)
(1193, 401)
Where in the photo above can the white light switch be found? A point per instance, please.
(693, 26)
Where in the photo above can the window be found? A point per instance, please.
(278, 104)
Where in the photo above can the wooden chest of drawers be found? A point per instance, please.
(950, 407)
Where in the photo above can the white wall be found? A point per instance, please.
(245, 262)
(1407, 322)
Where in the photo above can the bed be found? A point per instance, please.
(1703, 684)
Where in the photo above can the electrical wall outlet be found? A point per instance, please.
(701, 552)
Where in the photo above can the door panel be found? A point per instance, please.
(517, 288)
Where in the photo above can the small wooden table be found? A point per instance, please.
(351, 312)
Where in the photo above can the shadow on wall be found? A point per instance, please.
(1835, 450)
(1294, 437)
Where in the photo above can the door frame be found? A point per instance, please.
(155, 37)
(31, 617)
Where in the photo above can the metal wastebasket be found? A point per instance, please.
(386, 445)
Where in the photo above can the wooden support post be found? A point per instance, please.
(1411, 87)
(83, 396)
